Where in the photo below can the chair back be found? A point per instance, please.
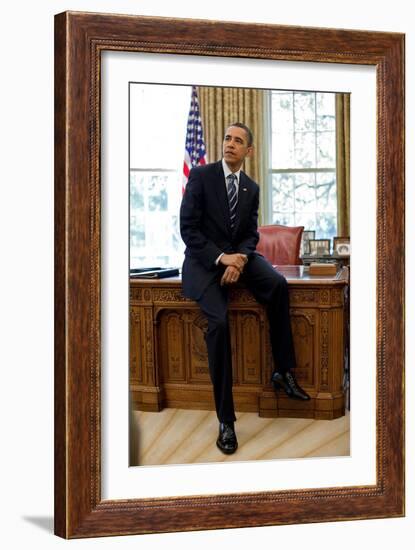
(280, 244)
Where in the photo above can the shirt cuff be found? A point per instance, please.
(218, 258)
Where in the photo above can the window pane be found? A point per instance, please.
(305, 150)
(282, 192)
(326, 150)
(304, 111)
(305, 193)
(282, 112)
(282, 129)
(325, 225)
(306, 219)
(157, 194)
(137, 232)
(154, 220)
(326, 192)
(326, 119)
(136, 192)
(282, 150)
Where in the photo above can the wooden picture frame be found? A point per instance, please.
(79, 40)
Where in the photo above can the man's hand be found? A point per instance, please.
(237, 261)
(231, 275)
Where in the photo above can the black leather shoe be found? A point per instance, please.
(288, 383)
(227, 441)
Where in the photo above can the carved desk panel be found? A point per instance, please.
(168, 356)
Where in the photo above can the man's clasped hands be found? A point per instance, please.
(235, 264)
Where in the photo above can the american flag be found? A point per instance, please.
(195, 151)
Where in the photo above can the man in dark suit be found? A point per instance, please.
(218, 224)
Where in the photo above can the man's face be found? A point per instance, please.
(235, 147)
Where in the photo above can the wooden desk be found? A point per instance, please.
(168, 356)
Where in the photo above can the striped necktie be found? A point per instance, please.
(232, 197)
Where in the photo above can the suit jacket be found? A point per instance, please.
(205, 225)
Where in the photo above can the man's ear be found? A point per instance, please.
(250, 151)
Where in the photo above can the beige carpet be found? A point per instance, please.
(175, 436)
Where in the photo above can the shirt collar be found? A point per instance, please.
(228, 171)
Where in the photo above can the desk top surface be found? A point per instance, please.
(295, 274)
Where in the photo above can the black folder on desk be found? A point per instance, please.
(154, 272)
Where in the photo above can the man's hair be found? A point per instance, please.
(247, 130)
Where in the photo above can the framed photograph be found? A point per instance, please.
(91, 299)
(319, 247)
(305, 241)
(177, 398)
(341, 246)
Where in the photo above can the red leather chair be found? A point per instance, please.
(280, 244)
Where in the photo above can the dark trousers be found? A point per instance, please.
(270, 288)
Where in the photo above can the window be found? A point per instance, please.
(158, 118)
(303, 161)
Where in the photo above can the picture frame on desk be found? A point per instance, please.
(82, 390)
(341, 246)
(319, 247)
(307, 235)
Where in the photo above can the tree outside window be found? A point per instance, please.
(158, 116)
(303, 161)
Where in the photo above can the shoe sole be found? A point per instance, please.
(226, 451)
